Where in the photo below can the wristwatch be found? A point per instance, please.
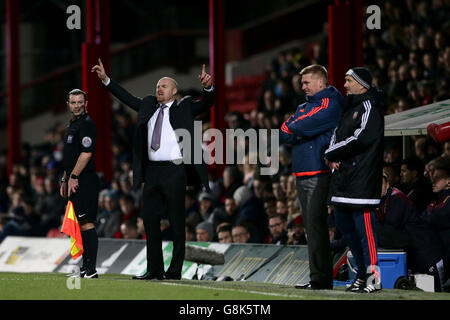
(73, 176)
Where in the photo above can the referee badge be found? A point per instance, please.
(86, 142)
(69, 139)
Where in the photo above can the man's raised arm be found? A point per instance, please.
(122, 94)
(208, 95)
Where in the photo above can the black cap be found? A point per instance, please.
(361, 75)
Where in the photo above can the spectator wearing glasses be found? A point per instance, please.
(277, 224)
(240, 234)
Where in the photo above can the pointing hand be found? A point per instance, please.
(205, 78)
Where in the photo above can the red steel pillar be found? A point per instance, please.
(97, 45)
(217, 38)
(344, 39)
(13, 78)
(217, 53)
(217, 60)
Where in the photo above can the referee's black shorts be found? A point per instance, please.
(85, 200)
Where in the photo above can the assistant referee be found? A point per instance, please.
(80, 183)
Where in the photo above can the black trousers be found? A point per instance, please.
(312, 193)
(164, 192)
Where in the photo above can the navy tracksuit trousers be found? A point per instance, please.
(356, 228)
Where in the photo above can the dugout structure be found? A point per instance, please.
(415, 121)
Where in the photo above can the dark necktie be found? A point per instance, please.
(156, 136)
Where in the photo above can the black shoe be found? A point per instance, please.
(357, 285)
(171, 277)
(304, 286)
(312, 286)
(446, 286)
(91, 275)
(148, 276)
(77, 274)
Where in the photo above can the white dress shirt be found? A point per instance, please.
(169, 148)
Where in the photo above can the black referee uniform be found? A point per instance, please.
(81, 136)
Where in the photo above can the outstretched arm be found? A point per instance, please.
(122, 94)
(208, 95)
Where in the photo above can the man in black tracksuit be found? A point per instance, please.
(355, 155)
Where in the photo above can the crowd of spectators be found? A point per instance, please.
(410, 60)
(410, 57)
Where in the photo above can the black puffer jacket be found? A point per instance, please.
(357, 143)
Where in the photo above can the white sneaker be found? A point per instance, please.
(357, 285)
(371, 288)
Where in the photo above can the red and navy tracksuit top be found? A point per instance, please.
(438, 215)
(400, 226)
(309, 131)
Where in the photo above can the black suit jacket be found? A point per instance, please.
(181, 116)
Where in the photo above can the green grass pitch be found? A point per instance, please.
(55, 286)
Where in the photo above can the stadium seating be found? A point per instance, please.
(243, 94)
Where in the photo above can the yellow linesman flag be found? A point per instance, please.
(71, 227)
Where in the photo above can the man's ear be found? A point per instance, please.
(322, 82)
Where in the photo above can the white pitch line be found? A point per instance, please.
(227, 289)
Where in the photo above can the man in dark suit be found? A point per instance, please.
(158, 162)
